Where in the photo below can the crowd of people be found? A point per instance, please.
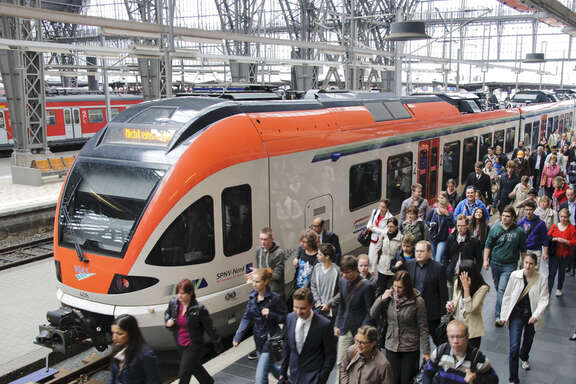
(411, 307)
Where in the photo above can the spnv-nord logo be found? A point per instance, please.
(82, 273)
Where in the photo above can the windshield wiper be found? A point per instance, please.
(64, 209)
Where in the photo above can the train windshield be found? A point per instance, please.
(101, 205)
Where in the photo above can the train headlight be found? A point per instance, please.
(126, 284)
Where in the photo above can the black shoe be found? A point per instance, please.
(253, 355)
(573, 337)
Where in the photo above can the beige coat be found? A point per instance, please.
(538, 296)
(470, 310)
(373, 370)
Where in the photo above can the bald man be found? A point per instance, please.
(318, 226)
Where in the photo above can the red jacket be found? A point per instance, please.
(560, 196)
(561, 249)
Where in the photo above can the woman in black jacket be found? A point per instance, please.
(264, 312)
(188, 320)
(133, 361)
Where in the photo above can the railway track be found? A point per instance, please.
(27, 252)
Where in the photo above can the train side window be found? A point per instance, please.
(2, 122)
(510, 139)
(50, 117)
(67, 117)
(527, 134)
(485, 143)
(499, 139)
(398, 179)
(365, 184)
(237, 219)
(189, 239)
(535, 132)
(469, 156)
(95, 116)
(549, 127)
(451, 163)
(433, 171)
(76, 114)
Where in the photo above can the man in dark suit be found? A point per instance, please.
(309, 343)
(429, 277)
(480, 181)
(356, 299)
(318, 226)
(537, 160)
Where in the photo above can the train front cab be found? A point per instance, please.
(200, 221)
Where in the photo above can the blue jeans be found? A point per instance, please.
(518, 324)
(439, 248)
(264, 367)
(500, 276)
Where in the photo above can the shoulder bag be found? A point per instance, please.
(365, 235)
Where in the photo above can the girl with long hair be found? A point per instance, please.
(479, 228)
(133, 361)
(470, 289)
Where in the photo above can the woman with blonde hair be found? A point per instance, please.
(550, 171)
(265, 311)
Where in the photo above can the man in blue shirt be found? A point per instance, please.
(469, 205)
(536, 232)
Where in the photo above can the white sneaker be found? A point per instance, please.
(525, 365)
(558, 293)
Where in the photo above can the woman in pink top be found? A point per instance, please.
(188, 320)
(550, 171)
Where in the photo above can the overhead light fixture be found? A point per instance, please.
(407, 30)
(534, 58)
(146, 51)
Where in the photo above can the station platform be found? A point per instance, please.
(28, 291)
(17, 199)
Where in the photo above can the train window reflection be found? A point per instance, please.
(102, 204)
(189, 239)
(499, 139)
(67, 117)
(469, 156)
(50, 117)
(237, 219)
(535, 131)
(527, 134)
(95, 116)
(485, 143)
(510, 140)
(2, 122)
(451, 163)
(398, 179)
(365, 184)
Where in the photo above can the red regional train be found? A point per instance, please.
(70, 119)
(179, 188)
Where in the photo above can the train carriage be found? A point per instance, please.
(71, 119)
(179, 188)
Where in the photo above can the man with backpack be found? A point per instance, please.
(457, 362)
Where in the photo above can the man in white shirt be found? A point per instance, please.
(309, 343)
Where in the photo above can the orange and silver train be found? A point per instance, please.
(179, 188)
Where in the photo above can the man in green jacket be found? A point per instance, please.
(506, 242)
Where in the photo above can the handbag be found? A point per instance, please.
(440, 331)
(365, 235)
(383, 326)
(275, 346)
(418, 379)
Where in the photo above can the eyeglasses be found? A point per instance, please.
(315, 226)
(362, 342)
(456, 337)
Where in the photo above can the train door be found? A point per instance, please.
(320, 207)
(428, 168)
(3, 129)
(76, 122)
(68, 124)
